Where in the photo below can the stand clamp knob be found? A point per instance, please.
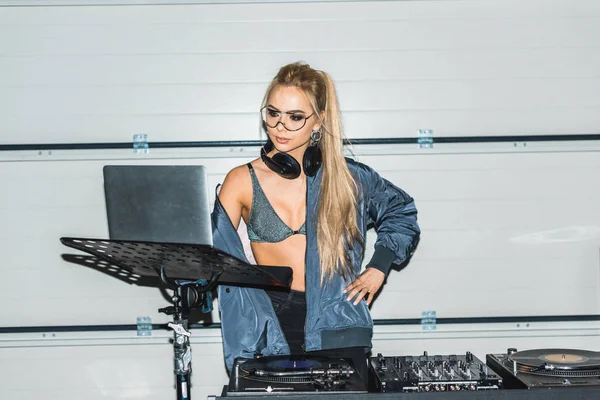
(179, 329)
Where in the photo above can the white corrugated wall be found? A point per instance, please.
(509, 228)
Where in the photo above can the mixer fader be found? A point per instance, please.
(437, 373)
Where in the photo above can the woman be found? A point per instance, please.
(308, 207)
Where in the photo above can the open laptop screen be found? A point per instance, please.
(158, 203)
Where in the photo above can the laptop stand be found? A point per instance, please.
(192, 271)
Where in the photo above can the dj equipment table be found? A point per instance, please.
(579, 393)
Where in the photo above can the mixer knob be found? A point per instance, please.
(469, 357)
(381, 361)
(446, 366)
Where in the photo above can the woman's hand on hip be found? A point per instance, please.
(367, 284)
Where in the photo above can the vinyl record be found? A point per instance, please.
(287, 364)
(549, 361)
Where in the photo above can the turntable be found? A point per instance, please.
(294, 375)
(544, 368)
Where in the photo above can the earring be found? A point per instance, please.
(313, 158)
(315, 136)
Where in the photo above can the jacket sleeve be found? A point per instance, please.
(248, 323)
(394, 215)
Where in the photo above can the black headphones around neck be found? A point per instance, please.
(287, 166)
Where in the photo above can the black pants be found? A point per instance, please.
(290, 308)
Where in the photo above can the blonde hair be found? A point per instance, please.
(337, 228)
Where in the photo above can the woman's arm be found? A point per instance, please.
(394, 215)
(232, 193)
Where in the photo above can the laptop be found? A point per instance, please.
(158, 203)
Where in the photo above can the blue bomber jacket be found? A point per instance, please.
(248, 322)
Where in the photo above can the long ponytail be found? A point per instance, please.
(337, 215)
(337, 227)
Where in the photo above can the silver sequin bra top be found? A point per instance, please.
(264, 225)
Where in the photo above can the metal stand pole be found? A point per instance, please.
(182, 352)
